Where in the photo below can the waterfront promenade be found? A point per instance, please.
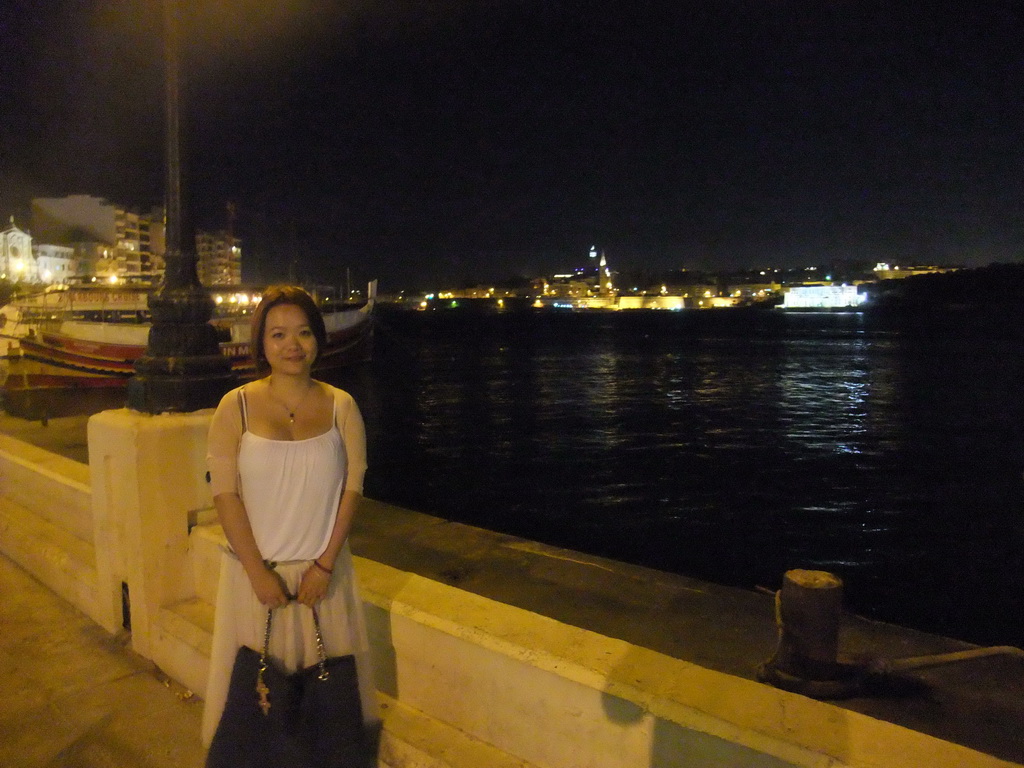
(76, 697)
(94, 721)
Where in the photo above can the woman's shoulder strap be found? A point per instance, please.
(333, 392)
(242, 409)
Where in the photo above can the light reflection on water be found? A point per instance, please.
(727, 446)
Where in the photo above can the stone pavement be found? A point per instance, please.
(75, 697)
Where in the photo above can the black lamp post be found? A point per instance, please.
(182, 368)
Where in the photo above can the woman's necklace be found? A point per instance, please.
(291, 411)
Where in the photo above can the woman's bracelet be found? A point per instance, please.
(323, 568)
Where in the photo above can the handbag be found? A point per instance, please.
(275, 719)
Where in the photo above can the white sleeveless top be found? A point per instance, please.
(291, 490)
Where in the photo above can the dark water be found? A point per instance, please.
(730, 446)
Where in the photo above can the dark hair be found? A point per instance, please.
(274, 296)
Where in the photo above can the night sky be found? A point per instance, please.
(453, 141)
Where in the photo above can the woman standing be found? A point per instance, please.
(287, 455)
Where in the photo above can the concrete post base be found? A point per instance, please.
(148, 473)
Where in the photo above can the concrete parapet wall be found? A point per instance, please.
(559, 696)
(466, 681)
(53, 487)
(46, 526)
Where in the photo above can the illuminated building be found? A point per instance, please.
(220, 258)
(16, 261)
(55, 264)
(109, 242)
(822, 297)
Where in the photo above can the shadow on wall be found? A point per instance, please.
(385, 662)
(673, 744)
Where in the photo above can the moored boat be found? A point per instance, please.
(59, 343)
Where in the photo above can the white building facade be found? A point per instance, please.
(55, 264)
(16, 261)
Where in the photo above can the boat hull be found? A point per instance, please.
(49, 373)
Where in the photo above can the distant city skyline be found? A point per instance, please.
(80, 224)
(88, 215)
(434, 143)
